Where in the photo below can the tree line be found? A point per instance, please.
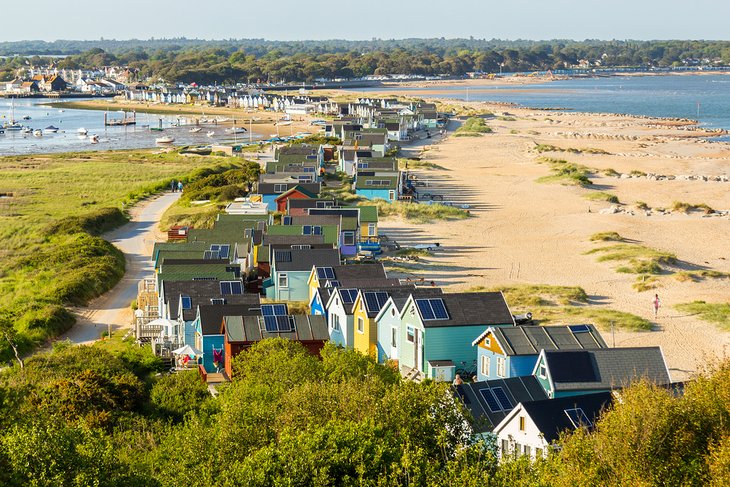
(104, 415)
(191, 60)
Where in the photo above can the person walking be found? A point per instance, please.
(179, 186)
(173, 185)
(656, 304)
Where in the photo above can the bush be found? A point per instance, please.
(94, 223)
(175, 395)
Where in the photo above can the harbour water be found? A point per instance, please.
(705, 98)
(68, 121)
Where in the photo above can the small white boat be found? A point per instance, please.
(164, 140)
(27, 117)
(210, 134)
(236, 130)
(82, 131)
(27, 130)
(283, 123)
(51, 129)
(38, 132)
(195, 130)
(94, 139)
(61, 110)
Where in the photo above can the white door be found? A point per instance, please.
(418, 350)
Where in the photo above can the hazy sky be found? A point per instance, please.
(365, 19)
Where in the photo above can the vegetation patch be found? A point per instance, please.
(417, 212)
(641, 205)
(52, 255)
(695, 276)
(416, 163)
(565, 305)
(718, 313)
(566, 173)
(540, 148)
(473, 127)
(611, 172)
(606, 237)
(682, 207)
(637, 259)
(602, 196)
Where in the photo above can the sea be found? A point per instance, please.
(42, 114)
(705, 98)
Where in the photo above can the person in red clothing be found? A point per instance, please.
(656, 304)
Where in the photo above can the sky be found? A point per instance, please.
(366, 19)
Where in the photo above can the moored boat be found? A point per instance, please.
(165, 140)
(82, 131)
(195, 130)
(51, 129)
(38, 132)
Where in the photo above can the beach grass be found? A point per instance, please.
(602, 196)
(606, 237)
(413, 163)
(637, 259)
(564, 172)
(696, 276)
(717, 313)
(682, 207)
(473, 127)
(51, 255)
(417, 212)
(565, 305)
(641, 205)
(540, 148)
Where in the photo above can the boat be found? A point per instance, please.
(13, 126)
(164, 140)
(94, 139)
(283, 123)
(27, 117)
(38, 132)
(236, 130)
(51, 129)
(2, 130)
(195, 130)
(157, 129)
(210, 134)
(82, 131)
(61, 110)
(27, 130)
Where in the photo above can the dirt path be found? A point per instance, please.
(135, 239)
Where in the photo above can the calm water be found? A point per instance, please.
(69, 121)
(658, 96)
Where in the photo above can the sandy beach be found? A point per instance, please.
(522, 231)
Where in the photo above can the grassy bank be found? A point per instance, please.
(473, 127)
(417, 212)
(51, 254)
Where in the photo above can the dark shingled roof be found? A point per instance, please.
(473, 309)
(606, 368)
(360, 272)
(295, 260)
(200, 292)
(529, 340)
(292, 239)
(551, 419)
(211, 315)
(251, 329)
(517, 389)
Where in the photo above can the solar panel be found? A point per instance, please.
(432, 309)
(348, 295)
(307, 230)
(579, 328)
(286, 220)
(439, 309)
(211, 255)
(215, 247)
(187, 303)
(425, 307)
(273, 309)
(316, 230)
(502, 398)
(224, 251)
(491, 401)
(332, 284)
(280, 309)
(325, 273)
(270, 324)
(284, 323)
(231, 287)
(578, 417)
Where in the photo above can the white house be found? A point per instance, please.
(340, 318)
(532, 427)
